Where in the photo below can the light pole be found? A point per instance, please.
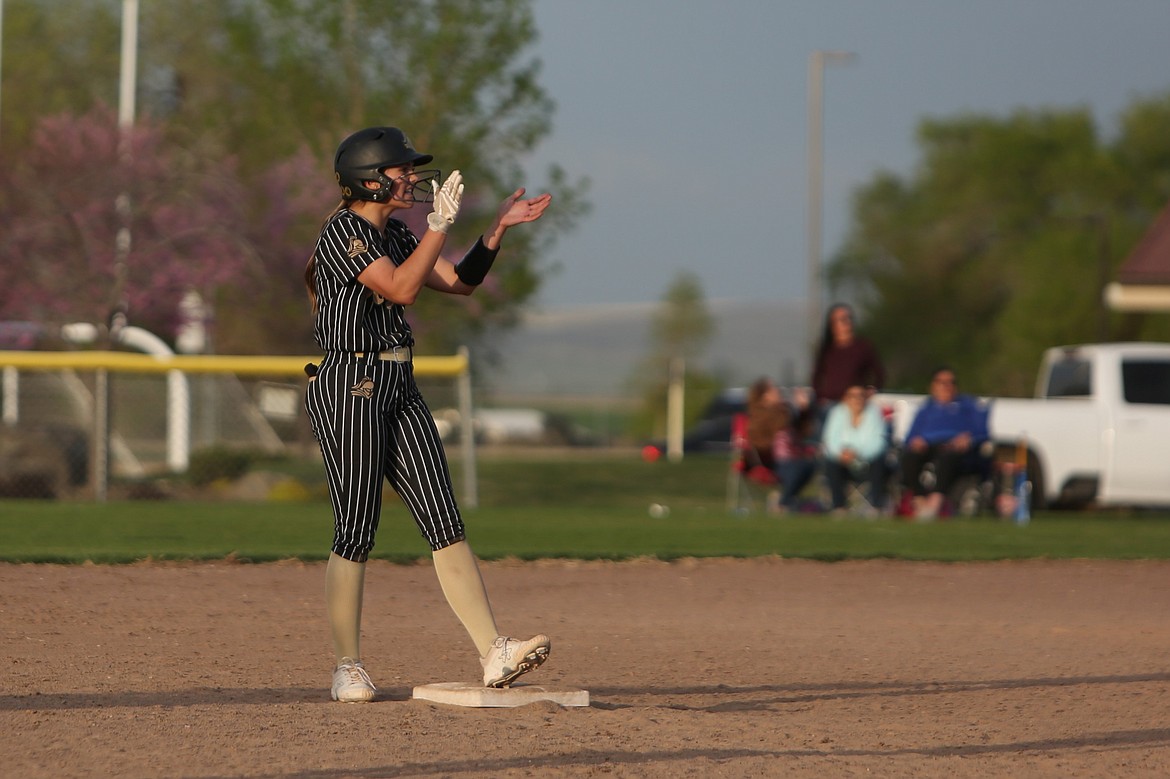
(816, 76)
(127, 86)
(1, 35)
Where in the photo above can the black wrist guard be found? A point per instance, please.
(474, 266)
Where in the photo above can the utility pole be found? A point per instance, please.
(118, 320)
(1, 45)
(127, 86)
(816, 71)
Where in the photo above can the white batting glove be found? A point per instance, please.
(447, 201)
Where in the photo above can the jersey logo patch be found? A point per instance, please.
(363, 389)
(356, 246)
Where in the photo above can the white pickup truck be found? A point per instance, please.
(1097, 431)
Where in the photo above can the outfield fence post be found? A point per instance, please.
(101, 434)
(11, 395)
(467, 432)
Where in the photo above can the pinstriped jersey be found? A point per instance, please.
(350, 316)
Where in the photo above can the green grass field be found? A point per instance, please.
(560, 506)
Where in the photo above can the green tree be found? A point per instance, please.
(681, 329)
(61, 247)
(289, 75)
(999, 243)
(269, 87)
(59, 56)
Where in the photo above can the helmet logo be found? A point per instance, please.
(356, 246)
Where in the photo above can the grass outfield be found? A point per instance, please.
(568, 507)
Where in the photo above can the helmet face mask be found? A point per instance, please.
(364, 155)
(423, 185)
(418, 186)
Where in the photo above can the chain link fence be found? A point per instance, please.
(114, 425)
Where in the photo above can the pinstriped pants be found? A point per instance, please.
(372, 423)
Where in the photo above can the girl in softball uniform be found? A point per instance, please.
(363, 404)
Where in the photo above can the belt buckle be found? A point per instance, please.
(399, 353)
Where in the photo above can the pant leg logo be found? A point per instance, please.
(363, 389)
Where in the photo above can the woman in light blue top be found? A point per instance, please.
(854, 443)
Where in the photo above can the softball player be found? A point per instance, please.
(363, 404)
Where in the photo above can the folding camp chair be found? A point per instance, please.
(746, 472)
(857, 493)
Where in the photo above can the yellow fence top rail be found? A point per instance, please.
(442, 366)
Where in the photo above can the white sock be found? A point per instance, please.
(458, 573)
(344, 585)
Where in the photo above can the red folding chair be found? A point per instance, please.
(745, 470)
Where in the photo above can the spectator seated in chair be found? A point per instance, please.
(766, 415)
(771, 446)
(794, 450)
(854, 443)
(947, 433)
(751, 449)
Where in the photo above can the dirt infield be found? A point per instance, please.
(696, 668)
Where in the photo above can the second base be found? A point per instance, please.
(471, 694)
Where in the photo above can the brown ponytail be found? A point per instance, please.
(311, 265)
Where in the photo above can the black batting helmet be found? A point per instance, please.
(362, 156)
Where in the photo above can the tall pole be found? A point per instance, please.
(675, 400)
(1, 43)
(127, 77)
(816, 76)
(126, 88)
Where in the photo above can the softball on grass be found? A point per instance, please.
(658, 511)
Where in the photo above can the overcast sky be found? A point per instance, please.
(690, 117)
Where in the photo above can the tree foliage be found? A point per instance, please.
(262, 91)
(680, 330)
(999, 244)
(682, 327)
(303, 74)
(60, 56)
(62, 220)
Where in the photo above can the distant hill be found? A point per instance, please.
(594, 350)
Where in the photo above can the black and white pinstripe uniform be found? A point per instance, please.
(367, 413)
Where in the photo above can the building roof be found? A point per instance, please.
(1143, 280)
(1149, 262)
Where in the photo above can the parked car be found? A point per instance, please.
(712, 433)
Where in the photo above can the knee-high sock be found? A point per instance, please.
(344, 584)
(459, 577)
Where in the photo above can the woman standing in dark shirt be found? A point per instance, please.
(844, 359)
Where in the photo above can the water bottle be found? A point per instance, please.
(1023, 512)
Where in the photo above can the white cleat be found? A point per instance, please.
(351, 683)
(509, 658)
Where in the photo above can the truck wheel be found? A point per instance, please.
(1036, 476)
